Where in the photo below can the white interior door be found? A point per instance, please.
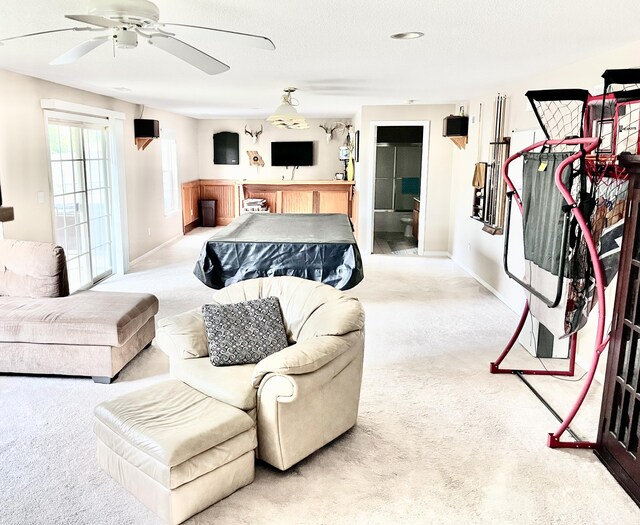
(81, 191)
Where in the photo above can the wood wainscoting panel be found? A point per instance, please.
(297, 202)
(225, 193)
(333, 202)
(190, 205)
(282, 197)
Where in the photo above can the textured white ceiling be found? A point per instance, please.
(337, 52)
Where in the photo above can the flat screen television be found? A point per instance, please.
(292, 153)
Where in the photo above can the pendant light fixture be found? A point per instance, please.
(286, 115)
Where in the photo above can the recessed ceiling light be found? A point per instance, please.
(408, 35)
(121, 89)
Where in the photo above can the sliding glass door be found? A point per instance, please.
(81, 191)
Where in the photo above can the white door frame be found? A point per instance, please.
(115, 122)
(424, 176)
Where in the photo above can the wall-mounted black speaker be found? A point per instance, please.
(455, 126)
(226, 148)
(145, 128)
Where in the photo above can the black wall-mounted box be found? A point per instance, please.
(145, 128)
(455, 126)
(399, 135)
(226, 148)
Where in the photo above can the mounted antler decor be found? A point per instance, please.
(329, 130)
(253, 134)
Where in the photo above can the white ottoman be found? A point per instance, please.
(176, 449)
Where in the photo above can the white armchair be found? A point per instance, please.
(301, 397)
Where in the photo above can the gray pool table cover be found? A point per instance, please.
(319, 247)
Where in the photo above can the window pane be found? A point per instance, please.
(69, 210)
(58, 207)
(101, 259)
(103, 177)
(54, 142)
(93, 174)
(76, 143)
(56, 178)
(81, 207)
(73, 271)
(78, 175)
(65, 143)
(67, 176)
(60, 237)
(83, 238)
(85, 269)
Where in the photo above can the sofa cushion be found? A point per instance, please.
(229, 384)
(183, 335)
(246, 332)
(84, 318)
(32, 269)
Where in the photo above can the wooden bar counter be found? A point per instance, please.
(292, 196)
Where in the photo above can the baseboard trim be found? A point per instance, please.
(153, 250)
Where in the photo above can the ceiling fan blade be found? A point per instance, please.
(79, 51)
(188, 53)
(94, 20)
(234, 37)
(47, 32)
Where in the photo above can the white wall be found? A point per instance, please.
(477, 251)
(24, 162)
(473, 249)
(326, 162)
(440, 150)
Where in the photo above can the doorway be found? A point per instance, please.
(81, 192)
(397, 189)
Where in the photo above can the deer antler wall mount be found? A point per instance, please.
(253, 134)
(329, 129)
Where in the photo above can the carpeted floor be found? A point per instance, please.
(439, 439)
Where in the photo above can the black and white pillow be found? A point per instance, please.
(242, 333)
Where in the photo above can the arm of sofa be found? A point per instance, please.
(300, 412)
(304, 357)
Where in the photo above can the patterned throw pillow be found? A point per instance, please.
(241, 333)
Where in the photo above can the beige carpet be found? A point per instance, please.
(439, 439)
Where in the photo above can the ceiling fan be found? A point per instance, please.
(126, 21)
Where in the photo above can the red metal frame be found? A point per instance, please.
(587, 146)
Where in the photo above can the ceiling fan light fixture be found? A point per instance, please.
(126, 39)
(409, 35)
(286, 115)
